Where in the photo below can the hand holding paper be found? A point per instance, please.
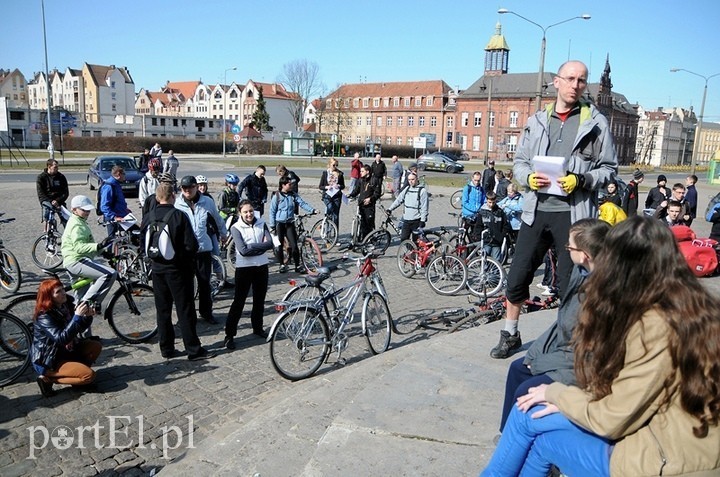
(536, 181)
(571, 181)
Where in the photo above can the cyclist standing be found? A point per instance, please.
(416, 204)
(367, 192)
(112, 200)
(229, 198)
(52, 191)
(256, 189)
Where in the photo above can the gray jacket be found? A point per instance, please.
(204, 211)
(593, 157)
(552, 353)
(415, 200)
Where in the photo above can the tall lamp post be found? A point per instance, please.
(538, 89)
(693, 162)
(225, 105)
(51, 149)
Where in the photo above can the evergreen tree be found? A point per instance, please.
(261, 118)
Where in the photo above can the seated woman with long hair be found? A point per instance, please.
(647, 361)
(58, 354)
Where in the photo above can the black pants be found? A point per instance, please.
(519, 380)
(246, 277)
(408, 227)
(203, 270)
(549, 228)
(287, 231)
(367, 220)
(175, 287)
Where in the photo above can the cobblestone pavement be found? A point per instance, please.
(156, 399)
(163, 406)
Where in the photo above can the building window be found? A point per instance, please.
(396, 102)
(356, 103)
(359, 121)
(406, 103)
(477, 120)
(464, 119)
(421, 121)
(114, 107)
(386, 102)
(450, 121)
(418, 101)
(376, 102)
(491, 143)
(348, 122)
(112, 84)
(476, 143)
(429, 101)
(379, 121)
(398, 140)
(513, 119)
(512, 144)
(358, 139)
(411, 121)
(388, 140)
(366, 102)
(368, 120)
(389, 121)
(328, 104)
(433, 121)
(346, 103)
(492, 119)
(410, 141)
(400, 121)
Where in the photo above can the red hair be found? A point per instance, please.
(45, 296)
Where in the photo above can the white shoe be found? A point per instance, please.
(541, 286)
(549, 292)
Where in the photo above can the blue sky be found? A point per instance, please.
(373, 41)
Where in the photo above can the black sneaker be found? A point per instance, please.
(261, 334)
(300, 270)
(507, 344)
(45, 387)
(202, 354)
(229, 342)
(168, 354)
(210, 320)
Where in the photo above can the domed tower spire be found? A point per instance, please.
(497, 53)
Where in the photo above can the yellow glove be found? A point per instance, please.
(571, 182)
(534, 181)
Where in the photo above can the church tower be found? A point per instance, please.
(497, 53)
(604, 94)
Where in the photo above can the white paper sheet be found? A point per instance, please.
(554, 168)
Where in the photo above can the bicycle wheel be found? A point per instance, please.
(456, 200)
(299, 343)
(131, 313)
(23, 307)
(217, 275)
(231, 255)
(310, 255)
(15, 342)
(325, 233)
(46, 251)
(446, 274)
(379, 241)
(406, 258)
(475, 319)
(304, 294)
(10, 274)
(485, 276)
(377, 323)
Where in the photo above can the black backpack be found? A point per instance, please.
(158, 243)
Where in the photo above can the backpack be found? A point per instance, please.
(157, 242)
(98, 210)
(713, 205)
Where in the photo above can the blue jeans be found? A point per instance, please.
(332, 205)
(519, 380)
(529, 447)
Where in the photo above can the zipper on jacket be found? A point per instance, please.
(660, 450)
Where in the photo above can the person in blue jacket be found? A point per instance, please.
(281, 221)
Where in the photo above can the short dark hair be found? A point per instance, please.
(678, 186)
(283, 180)
(674, 203)
(491, 195)
(590, 235)
(693, 178)
(243, 203)
(51, 162)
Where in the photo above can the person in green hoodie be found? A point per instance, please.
(79, 249)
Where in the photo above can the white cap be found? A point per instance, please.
(81, 202)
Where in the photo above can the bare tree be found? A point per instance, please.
(300, 77)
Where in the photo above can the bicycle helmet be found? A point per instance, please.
(232, 179)
(168, 178)
(155, 165)
(201, 179)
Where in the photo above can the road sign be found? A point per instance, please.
(237, 138)
(419, 142)
(235, 129)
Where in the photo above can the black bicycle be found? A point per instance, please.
(10, 274)
(46, 248)
(15, 341)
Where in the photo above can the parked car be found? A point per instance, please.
(456, 157)
(439, 161)
(100, 171)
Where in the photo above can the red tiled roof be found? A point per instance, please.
(436, 88)
(186, 88)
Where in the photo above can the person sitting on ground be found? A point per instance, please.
(281, 221)
(58, 354)
(646, 362)
(550, 357)
(79, 249)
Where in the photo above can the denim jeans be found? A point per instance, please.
(529, 447)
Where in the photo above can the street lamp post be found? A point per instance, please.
(698, 128)
(225, 105)
(538, 89)
(51, 149)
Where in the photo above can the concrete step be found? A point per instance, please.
(429, 408)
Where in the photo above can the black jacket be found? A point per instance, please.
(52, 332)
(51, 188)
(366, 188)
(255, 188)
(656, 196)
(181, 235)
(496, 223)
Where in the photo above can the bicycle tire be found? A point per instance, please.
(15, 343)
(442, 321)
(299, 343)
(487, 279)
(446, 274)
(325, 233)
(456, 200)
(310, 255)
(231, 253)
(304, 293)
(378, 240)
(406, 257)
(23, 307)
(46, 255)
(377, 322)
(455, 241)
(217, 275)
(11, 276)
(131, 313)
(478, 318)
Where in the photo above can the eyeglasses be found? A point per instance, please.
(572, 249)
(571, 80)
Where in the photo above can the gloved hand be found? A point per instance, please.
(571, 181)
(534, 181)
(422, 224)
(107, 254)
